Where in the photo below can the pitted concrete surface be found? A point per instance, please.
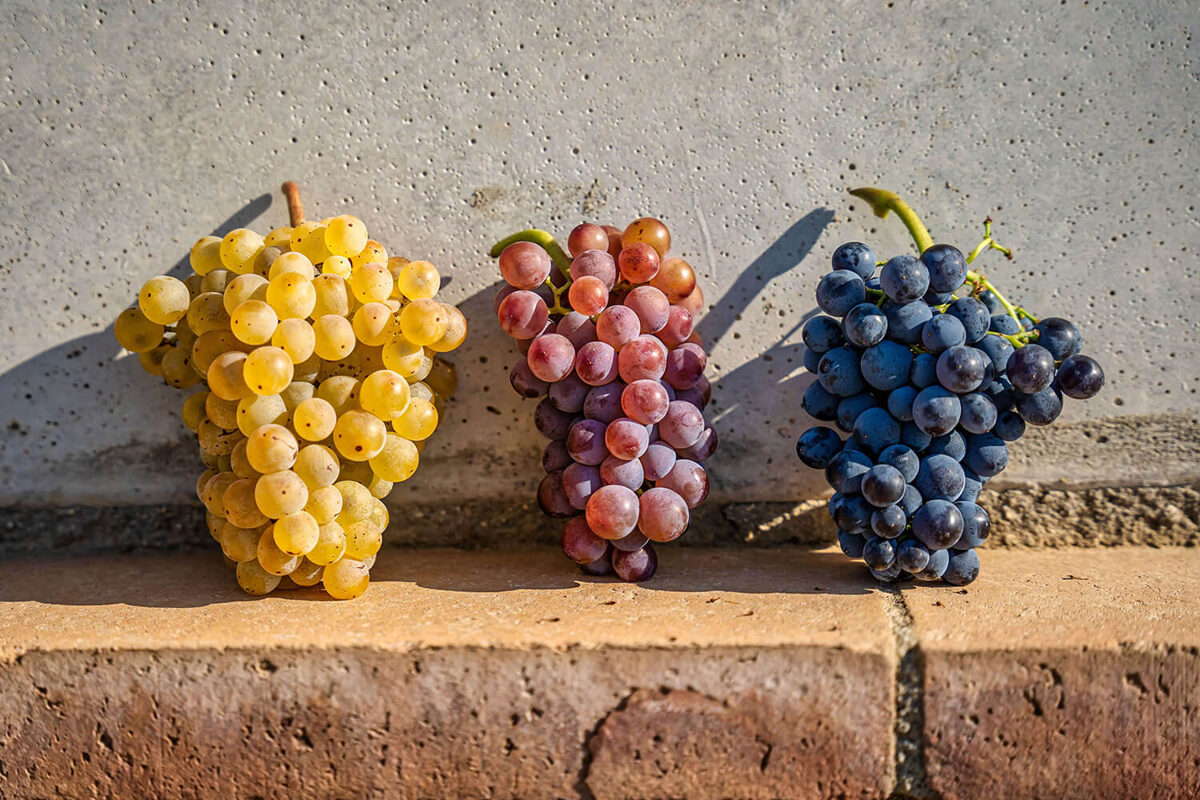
(131, 130)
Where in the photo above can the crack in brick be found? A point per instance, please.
(912, 782)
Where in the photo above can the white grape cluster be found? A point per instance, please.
(318, 355)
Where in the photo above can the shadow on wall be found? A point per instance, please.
(76, 387)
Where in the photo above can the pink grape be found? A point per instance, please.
(603, 403)
(704, 447)
(688, 480)
(612, 512)
(579, 543)
(550, 422)
(617, 326)
(678, 327)
(504, 292)
(640, 565)
(601, 566)
(631, 541)
(524, 344)
(662, 515)
(638, 262)
(685, 366)
(569, 393)
(626, 439)
(555, 457)
(614, 239)
(585, 442)
(523, 315)
(596, 263)
(579, 482)
(682, 425)
(658, 460)
(651, 306)
(578, 328)
(525, 265)
(645, 401)
(588, 295)
(645, 358)
(524, 382)
(699, 395)
(596, 364)
(551, 498)
(586, 237)
(617, 472)
(551, 357)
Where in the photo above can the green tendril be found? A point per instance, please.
(541, 238)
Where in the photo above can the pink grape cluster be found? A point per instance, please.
(610, 349)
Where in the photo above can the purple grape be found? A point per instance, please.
(703, 447)
(551, 357)
(904, 279)
(601, 566)
(856, 257)
(1059, 336)
(658, 460)
(555, 457)
(685, 365)
(1030, 368)
(524, 382)
(579, 543)
(568, 394)
(578, 329)
(640, 565)
(938, 524)
(822, 334)
(596, 364)
(595, 262)
(839, 291)
(550, 422)
(651, 306)
(946, 265)
(551, 498)
(1080, 377)
(962, 369)
(585, 442)
(579, 482)
(630, 542)
(617, 472)
(682, 425)
(603, 403)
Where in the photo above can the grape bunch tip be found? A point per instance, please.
(319, 359)
(930, 372)
(606, 328)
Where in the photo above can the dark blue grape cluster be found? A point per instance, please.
(931, 377)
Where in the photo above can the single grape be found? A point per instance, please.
(629, 474)
(642, 358)
(938, 524)
(651, 306)
(949, 444)
(875, 430)
(677, 280)
(906, 320)
(612, 512)
(645, 401)
(525, 265)
(1030, 368)
(360, 435)
(688, 480)
(678, 328)
(596, 263)
(603, 403)
(552, 500)
(924, 371)
(568, 394)
(586, 237)
(851, 408)
(845, 471)
(522, 315)
(1003, 323)
(852, 544)
(879, 553)
(1040, 408)
(164, 300)
(912, 556)
(579, 543)
(819, 403)
(1059, 336)
(856, 257)
(998, 350)
(657, 461)
(839, 291)
(627, 439)
(962, 369)
(904, 279)
(1009, 426)
(942, 332)
(822, 334)
(900, 402)
(962, 569)
(976, 525)
(940, 477)
(682, 425)
(978, 413)
(588, 295)
(946, 265)
(663, 514)
(865, 325)
(839, 372)
(579, 482)
(639, 263)
(889, 522)
(136, 332)
(987, 455)
(882, 485)
(647, 230)
(974, 317)
(586, 441)
(939, 560)
(817, 447)
(903, 458)
(617, 326)
(551, 357)
(936, 410)
(639, 565)
(1080, 377)
(886, 366)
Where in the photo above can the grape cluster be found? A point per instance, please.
(931, 373)
(610, 349)
(318, 354)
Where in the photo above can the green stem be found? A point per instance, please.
(541, 238)
(883, 201)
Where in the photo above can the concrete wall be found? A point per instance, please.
(130, 130)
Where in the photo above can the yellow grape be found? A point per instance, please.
(371, 283)
(214, 492)
(280, 238)
(384, 393)
(296, 338)
(307, 574)
(396, 265)
(317, 465)
(205, 255)
(240, 506)
(363, 539)
(358, 472)
(346, 579)
(254, 579)
(418, 422)
(271, 558)
(291, 295)
(324, 503)
(216, 281)
(308, 238)
(164, 299)
(212, 344)
(341, 392)
(379, 515)
(225, 377)
(402, 356)
(421, 389)
(374, 324)
(239, 463)
(214, 523)
(214, 440)
(372, 253)
(193, 283)
(337, 266)
(224, 463)
(135, 332)
(207, 313)
(314, 419)
(221, 412)
(332, 295)
(331, 544)
(201, 482)
(345, 236)
(359, 435)
(268, 370)
(238, 249)
(424, 322)
(297, 533)
(292, 262)
(239, 544)
(177, 370)
(419, 280)
(456, 331)
(378, 487)
(333, 337)
(296, 393)
(253, 322)
(241, 289)
(257, 410)
(185, 337)
(193, 410)
(398, 459)
(272, 448)
(261, 265)
(442, 379)
(280, 493)
(356, 502)
(151, 360)
(307, 371)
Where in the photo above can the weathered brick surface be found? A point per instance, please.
(458, 675)
(1064, 674)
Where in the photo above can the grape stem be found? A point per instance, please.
(541, 238)
(291, 190)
